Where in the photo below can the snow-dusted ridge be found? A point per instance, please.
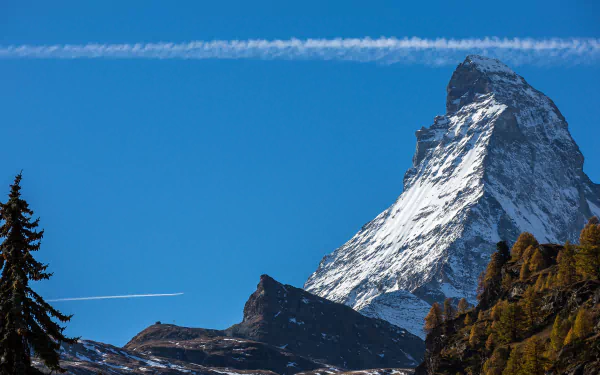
(500, 161)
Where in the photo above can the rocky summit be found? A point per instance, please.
(501, 161)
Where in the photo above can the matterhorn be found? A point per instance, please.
(501, 161)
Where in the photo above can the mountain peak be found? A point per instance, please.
(476, 76)
(501, 161)
(487, 64)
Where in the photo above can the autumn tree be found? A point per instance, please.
(537, 261)
(560, 329)
(468, 320)
(567, 270)
(496, 362)
(434, 318)
(525, 271)
(513, 364)
(510, 323)
(463, 306)
(583, 324)
(540, 283)
(490, 342)
(449, 312)
(588, 256)
(534, 360)
(531, 306)
(27, 322)
(525, 240)
(476, 335)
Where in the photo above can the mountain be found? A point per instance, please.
(545, 321)
(287, 330)
(499, 162)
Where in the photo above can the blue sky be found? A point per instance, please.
(164, 176)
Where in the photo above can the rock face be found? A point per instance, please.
(287, 330)
(500, 161)
(328, 332)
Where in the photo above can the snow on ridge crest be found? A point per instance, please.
(501, 161)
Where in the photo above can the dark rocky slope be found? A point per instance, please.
(287, 330)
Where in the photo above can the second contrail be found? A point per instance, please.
(115, 297)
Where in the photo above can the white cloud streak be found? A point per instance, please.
(440, 51)
(114, 297)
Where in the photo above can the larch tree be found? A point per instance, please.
(525, 240)
(476, 335)
(513, 364)
(534, 359)
(588, 256)
(463, 306)
(449, 312)
(531, 306)
(434, 318)
(511, 323)
(567, 269)
(525, 271)
(583, 324)
(537, 261)
(27, 322)
(560, 328)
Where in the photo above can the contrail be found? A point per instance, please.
(440, 51)
(113, 297)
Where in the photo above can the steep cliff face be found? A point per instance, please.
(500, 161)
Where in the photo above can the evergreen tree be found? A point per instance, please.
(503, 252)
(567, 270)
(588, 257)
(534, 361)
(26, 320)
(434, 318)
(449, 312)
(511, 323)
(523, 242)
(463, 306)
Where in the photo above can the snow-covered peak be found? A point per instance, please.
(488, 65)
(501, 161)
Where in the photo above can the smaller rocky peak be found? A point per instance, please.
(477, 76)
